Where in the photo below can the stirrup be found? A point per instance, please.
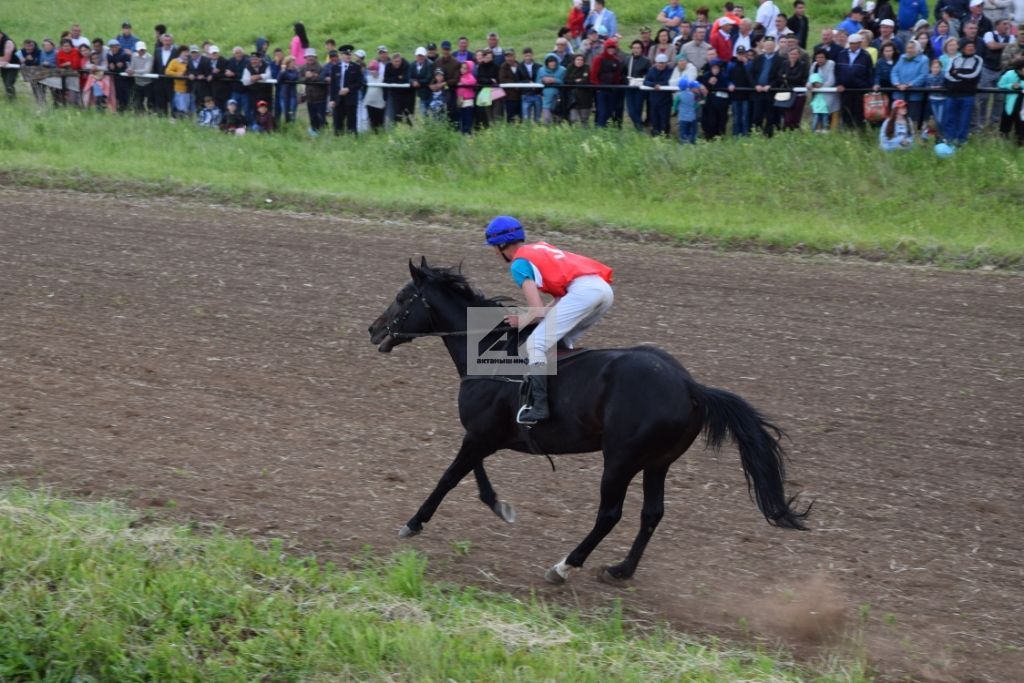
(519, 417)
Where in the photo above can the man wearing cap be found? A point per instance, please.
(601, 17)
(887, 34)
(659, 102)
(450, 66)
(142, 91)
(127, 40)
(345, 80)
(645, 39)
(976, 15)
(118, 62)
(310, 73)
(421, 73)
(854, 74)
(216, 85)
(671, 15)
(722, 39)
(199, 74)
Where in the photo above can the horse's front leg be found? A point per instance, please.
(490, 498)
(470, 456)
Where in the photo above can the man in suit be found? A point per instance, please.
(763, 114)
(345, 79)
(854, 72)
(199, 73)
(163, 88)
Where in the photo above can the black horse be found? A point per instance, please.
(638, 406)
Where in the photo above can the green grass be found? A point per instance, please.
(89, 592)
(401, 24)
(835, 194)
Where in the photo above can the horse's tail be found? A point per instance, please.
(760, 451)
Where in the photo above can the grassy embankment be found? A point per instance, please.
(815, 193)
(400, 24)
(90, 593)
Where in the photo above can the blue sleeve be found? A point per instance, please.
(521, 270)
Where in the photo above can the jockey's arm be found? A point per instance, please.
(534, 302)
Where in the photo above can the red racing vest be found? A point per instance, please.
(558, 268)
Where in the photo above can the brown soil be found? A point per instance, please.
(214, 363)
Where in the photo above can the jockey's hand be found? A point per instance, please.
(512, 320)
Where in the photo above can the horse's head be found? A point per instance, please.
(405, 317)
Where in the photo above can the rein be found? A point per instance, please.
(407, 311)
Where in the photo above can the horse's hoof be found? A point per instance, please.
(408, 532)
(505, 511)
(552, 576)
(607, 576)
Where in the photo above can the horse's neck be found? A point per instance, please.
(457, 350)
(453, 319)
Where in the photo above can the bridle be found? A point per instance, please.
(389, 329)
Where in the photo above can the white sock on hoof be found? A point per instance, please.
(563, 569)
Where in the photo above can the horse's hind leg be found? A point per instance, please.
(614, 483)
(470, 455)
(652, 512)
(490, 498)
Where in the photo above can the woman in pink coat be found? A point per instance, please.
(299, 43)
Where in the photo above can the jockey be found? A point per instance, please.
(581, 291)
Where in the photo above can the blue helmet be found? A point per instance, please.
(504, 229)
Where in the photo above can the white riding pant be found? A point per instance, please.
(586, 300)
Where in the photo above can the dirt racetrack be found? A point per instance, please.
(214, 363)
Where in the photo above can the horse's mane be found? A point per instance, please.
(452, 280)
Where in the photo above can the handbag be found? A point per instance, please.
(876, 107)
(784, 100)
(497, 93)
(483, 98)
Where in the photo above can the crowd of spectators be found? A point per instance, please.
(920, 75)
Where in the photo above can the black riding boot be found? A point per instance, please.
(535, 408)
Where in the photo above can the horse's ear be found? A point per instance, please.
(459, 269)
(423, 263)
(416, 273)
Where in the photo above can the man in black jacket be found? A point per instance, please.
(421, 72)
(118, 61)
(163, 88)
(637, 67)
(220, 85)
(961, 78)
(345, 80)
(854, 76)
(198, 72)
(766, 65)
(799, 23)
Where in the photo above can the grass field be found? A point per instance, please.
(91, 593)
(401, 24)
(835, 194)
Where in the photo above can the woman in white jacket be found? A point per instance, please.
(374, 99)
